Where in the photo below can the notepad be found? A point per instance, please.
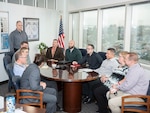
(19, 111)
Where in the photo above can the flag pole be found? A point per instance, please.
(60, 16)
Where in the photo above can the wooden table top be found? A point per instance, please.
(69, 74)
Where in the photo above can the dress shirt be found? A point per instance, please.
(136, 81)
(18, 69)
(108, 67)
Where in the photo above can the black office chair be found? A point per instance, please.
(83, 52)
(103, 55)
(7, 60)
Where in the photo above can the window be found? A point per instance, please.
(14, 1)
(40, 3)
(75, 28)
(113, 28)
(28, 2)
(90, 28)
(51, 4)
(140, 32)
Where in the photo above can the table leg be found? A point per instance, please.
(72, 97)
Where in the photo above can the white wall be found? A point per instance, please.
(48, 26)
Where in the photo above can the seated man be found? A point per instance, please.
(31, 80)
(92, 60)
(21, 61)
(26, 45)
(104, 71)
(135, 83)
(55, 52)
(21, 64)
(72, 53)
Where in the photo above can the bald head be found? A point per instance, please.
(71, 44)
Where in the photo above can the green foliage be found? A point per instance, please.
(42, 46)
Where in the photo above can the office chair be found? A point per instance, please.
(7, 62)
(135, 106)
(83, 52)
(103, 55)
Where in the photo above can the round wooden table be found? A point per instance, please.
(72, 79)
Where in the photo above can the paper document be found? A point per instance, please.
(85, 70)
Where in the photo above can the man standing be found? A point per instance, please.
(135, 83)
(72, 53)
(16, 37)
(92, 59)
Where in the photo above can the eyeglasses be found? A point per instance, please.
(22, 57)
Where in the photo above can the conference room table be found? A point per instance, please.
(26, 109)
(72, 78)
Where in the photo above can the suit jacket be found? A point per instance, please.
(59, 55)
(31, 80)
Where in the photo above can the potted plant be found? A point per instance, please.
(42, 46)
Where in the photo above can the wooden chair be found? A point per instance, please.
(136, 106)
(39, 97)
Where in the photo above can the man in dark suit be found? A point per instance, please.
(55, 52)
(31, 80)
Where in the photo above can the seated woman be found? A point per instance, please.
(31, 80)
(55, 53)
(105, 86)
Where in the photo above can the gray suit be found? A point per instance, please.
(31, 80)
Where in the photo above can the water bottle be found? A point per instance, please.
(10, 104)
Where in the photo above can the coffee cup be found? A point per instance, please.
(53, 66)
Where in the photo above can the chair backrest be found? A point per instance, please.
(83, 52)
(6, 60)
(9, 69)
(16, 82)
(103, 55)
(148, 91)
(38, 95)
(14, 79)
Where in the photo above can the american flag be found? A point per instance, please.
(61, 35)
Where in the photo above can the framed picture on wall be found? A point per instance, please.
(31, 27)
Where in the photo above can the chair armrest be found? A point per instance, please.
(144, 97)
(29, 91)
